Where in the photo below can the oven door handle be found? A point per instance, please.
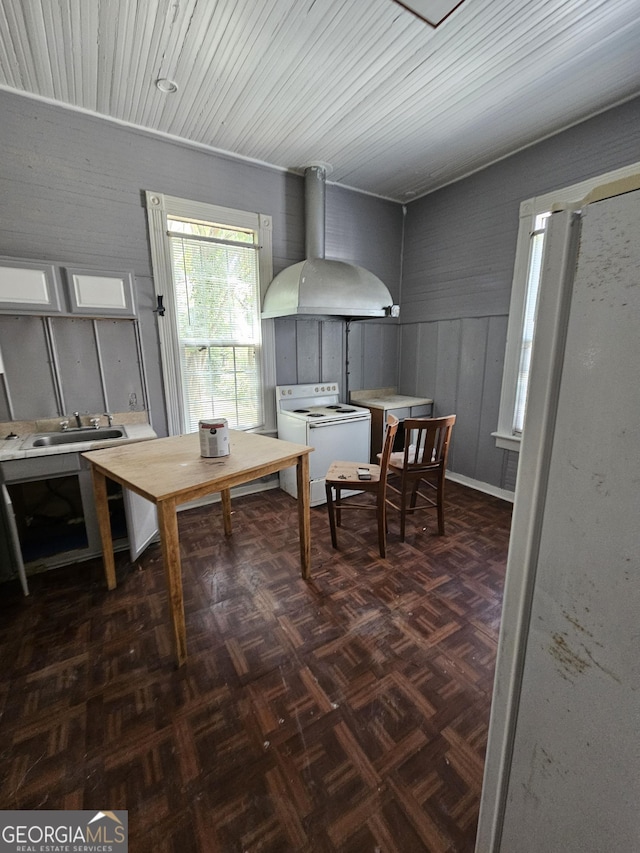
(336, 423)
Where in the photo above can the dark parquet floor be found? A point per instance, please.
(347, 714)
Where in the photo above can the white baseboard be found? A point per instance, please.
(487, 488)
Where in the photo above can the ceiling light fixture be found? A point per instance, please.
(166, 86)
(432, 12)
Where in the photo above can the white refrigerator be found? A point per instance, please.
(562, 770)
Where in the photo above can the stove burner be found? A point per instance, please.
(316, 415)
(301, 411)
(336, 406)
(341, 409)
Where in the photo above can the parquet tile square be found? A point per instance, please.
(347, 713)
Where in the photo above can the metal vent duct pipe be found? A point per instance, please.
(314, 211)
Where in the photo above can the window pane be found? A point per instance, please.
(216, 292)
(209, 229)
(528, 326)
(222, 382)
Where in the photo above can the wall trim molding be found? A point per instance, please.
(479, 486)
(183, 141)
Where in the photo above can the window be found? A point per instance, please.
(536, 245)
(534, 215)
(217, 304)
(209, 263)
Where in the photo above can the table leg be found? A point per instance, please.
(104, 525)
(225, 497)
(304, 513)
(168, 525)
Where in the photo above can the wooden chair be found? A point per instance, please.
(344, 475)
(420, 467)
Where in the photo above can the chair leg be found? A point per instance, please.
(332, 518)
(382, 528)
(403, 512)
(414, 495)
(440, 506)
(338, 506)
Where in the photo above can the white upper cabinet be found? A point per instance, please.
(29, 287)
(35, 287)
(100, 293)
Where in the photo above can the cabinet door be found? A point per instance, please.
(99, 293)
(423, 411)
(142, 522)
(10, 541)
(29, 287)
(400, 414)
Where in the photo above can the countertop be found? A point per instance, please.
(10, 448)
(387, 398)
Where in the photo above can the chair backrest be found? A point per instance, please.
(389, 437)
(426, 443)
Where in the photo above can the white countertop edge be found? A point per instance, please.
(393, 401)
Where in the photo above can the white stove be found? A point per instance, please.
(313, 415)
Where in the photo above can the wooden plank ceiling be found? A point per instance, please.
(395, 106)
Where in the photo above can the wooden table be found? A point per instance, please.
(170, 471)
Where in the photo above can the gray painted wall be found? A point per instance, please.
(72, 189)
(459, 251)
(59, 365)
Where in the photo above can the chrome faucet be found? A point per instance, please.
(109, 417)
(76, 415)
(64, 426)
(95, 423)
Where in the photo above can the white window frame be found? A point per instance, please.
(159, 206)
(529, 210)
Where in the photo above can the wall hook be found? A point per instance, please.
(160, 309)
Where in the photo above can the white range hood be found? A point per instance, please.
(320, 287)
